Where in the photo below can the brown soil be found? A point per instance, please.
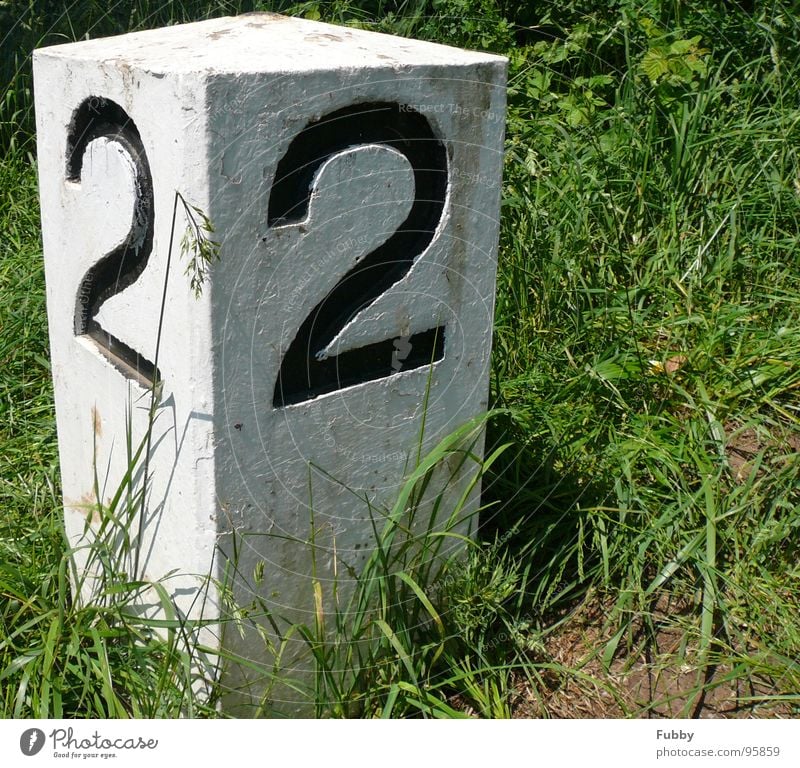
(654, 674)
(745, 445)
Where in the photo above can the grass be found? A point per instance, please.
(652, 245)
(645, 516)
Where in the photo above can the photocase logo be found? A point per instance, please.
(31, 741)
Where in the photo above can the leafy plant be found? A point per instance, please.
(671, 63)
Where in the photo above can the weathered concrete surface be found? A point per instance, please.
(235, 471)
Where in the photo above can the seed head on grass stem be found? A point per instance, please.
(196, 243)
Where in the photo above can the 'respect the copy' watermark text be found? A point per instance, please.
(462, 111)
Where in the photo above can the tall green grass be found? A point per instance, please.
(646, 350)
(648, 321)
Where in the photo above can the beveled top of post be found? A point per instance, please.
(262, 42)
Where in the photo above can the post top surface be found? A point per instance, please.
(262, 42)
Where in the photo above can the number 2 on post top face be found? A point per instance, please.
(304, 373)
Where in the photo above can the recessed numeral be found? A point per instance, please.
(304, 373)
(100, 118)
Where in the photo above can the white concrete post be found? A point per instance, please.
(353, 180)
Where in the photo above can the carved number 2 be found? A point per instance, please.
(94, 119)
(302, 376)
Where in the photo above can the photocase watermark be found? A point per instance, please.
(97, 104)
(351, 244)
(459, 110)
(367, 458)
(67, 745)
(31, 742)
(473, 177)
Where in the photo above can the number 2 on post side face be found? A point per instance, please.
(302, 375)
(98, 118)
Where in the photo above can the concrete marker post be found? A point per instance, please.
(353, 180)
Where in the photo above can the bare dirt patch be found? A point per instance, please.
(749, 449)
(656, 672)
